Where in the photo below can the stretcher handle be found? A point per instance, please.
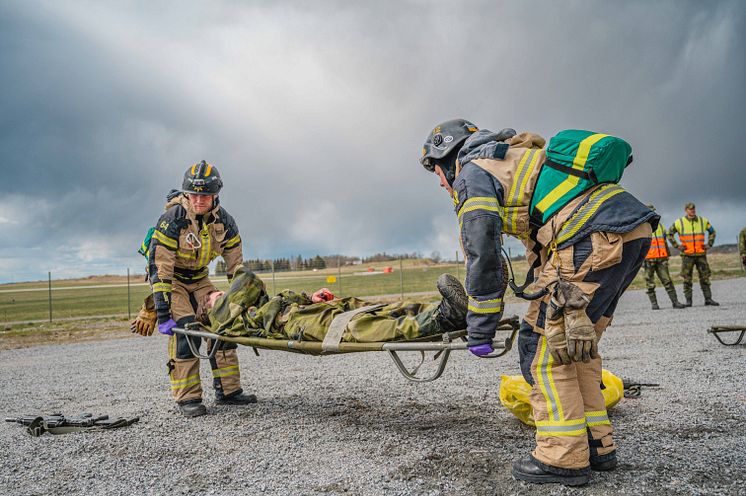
(716, 330)
(211, 350)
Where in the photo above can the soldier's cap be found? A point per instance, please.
(689, 205)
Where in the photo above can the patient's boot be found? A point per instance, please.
(235, 398)
(451, 313)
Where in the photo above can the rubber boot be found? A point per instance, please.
(451, 312)
(235, 398)
(600, 463)
(675, 300)
(653, 301)
(531, 470)
(192, 408)
(708, 297)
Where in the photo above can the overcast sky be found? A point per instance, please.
(315, 113)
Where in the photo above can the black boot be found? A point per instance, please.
(688, 301)
(451, 313)
(600, 463)
(653, 301)
(711, 302)
(235, 398)
(675, 300)
(532, 470)
(192, 408)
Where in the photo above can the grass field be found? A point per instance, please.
(103, 296)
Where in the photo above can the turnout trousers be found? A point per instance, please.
(183, 366)
(572, 425)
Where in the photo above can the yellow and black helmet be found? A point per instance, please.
(202, 179)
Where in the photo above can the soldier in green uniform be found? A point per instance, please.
(656, 262)
(247, 310)
(691, 230)
(742, 247)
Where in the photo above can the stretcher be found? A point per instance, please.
(441, 345)
(720, 331)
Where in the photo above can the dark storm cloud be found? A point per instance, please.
(315, 113)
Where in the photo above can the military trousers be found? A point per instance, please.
(183, 366)
(688, 263)
(658, 267)
(572, 425)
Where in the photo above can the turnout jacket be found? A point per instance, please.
(183, 245)
(492, 193)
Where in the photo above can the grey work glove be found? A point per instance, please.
(554, 328)
(582, 341)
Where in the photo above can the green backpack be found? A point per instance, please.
(576, 161)
(145, 246)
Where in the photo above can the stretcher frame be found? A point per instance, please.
(718, 330)
(442, 345)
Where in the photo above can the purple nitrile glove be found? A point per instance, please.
(481, 349)
(166, 327)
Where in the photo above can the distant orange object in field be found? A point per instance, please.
(388, 270)
(371, 269)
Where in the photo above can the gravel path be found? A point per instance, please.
(352, 424)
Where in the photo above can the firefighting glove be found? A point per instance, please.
(582, 341)
(166, 327)
(554, 329)
(144, 323)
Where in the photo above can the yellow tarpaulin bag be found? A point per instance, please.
(514, 391)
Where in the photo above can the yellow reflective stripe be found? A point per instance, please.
(488, 203)
(581, 157)
(579, 218)
(599, 417)
(185, 383)
(485, 306)
(165, 240)
(561, 433)
(553, 388)
(161, 287)
(523, 172)
(204, 255)
(543, 380)
(574, 427)
(193, 168)
(209, 170)
(172, 347)
(189, 256)
(225, 371)
(233, 241)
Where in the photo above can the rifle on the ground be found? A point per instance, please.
(57, 423)
(632, 389)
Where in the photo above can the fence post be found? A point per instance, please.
(129, 297)
(458, 267)
(401, 277)
(339, 275)
(50, 295)
(274, 290)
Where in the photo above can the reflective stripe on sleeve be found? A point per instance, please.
(486, 306)
(170, 243)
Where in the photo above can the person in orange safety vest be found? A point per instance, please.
(656, 262)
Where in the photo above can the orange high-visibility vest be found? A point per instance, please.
(692, 234)
(658, 248)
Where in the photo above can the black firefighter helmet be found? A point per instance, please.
(202, 179)
(442, 145)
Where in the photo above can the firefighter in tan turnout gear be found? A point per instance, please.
(192, 232)
(585, 238)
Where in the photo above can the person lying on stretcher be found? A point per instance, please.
(247, 310)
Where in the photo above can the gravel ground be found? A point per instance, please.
(352, 424)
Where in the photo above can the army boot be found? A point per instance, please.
(192, 408)
(451, 313)
(675, 300)
(688, 301)
(235, 398)
(531, 470)
(653, 301)
(707, 293)
(711, 302)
